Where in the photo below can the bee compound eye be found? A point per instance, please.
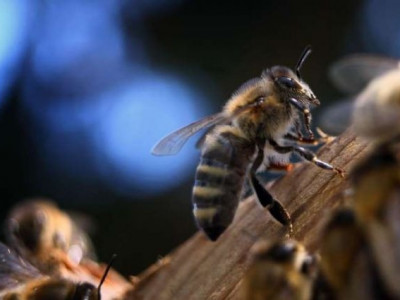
(260, 100)
(286, 82)
(308, 265)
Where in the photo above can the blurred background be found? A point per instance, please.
(88, 87)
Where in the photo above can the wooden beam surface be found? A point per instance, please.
(200, 269)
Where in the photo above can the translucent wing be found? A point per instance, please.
(336, 118)
(14, 270)
(352, 73)
(173, 143)
(82, 225)
(202, 139)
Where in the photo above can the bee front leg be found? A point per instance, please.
(324, 138)
(306, 112)
(301, 139)
(306, 154)
(266, 199)
(298, 128)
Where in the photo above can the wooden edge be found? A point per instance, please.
(200, 269)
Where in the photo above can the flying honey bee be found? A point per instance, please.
(376, 184)
(19, 280)
(38, 230)
(362, 259)
(280, 270)
(253, 129)
(373, 89)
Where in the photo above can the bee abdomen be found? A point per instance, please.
(219, 180)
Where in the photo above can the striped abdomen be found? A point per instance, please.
(220, 175)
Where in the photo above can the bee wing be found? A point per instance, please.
(352, 73)
(337, 117)
(202, 139)
(82, 226)
(14, 270)
(173, 143)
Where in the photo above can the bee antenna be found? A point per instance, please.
(306, 52)
(113, 257)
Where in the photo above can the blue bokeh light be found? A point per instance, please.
(380, 27)
(79, 47)
(108, 136)
(146, 110)
(93, 112)
(15, 18)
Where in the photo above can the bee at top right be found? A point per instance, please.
(372, 86)
(370, 243)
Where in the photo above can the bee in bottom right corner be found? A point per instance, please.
(375, 181)
(360, 247)
(346, 267)
(279, 270)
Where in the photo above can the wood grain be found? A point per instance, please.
(200, 269)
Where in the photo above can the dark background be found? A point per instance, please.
(213, 45)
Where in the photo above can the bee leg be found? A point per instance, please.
(301, 139)
(306, 154)
(298, 128)
(306, 112)
(280, 167)
(265, 198)
(324, 138)
(274, 206)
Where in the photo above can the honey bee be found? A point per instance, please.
(38, 230)
(280, 270)
(376, 117)
(372, 85)
(19, 280)
(50, 240)
(376, 184)
(254, 129)
(361, 257)
(349, 266)
(343, 256)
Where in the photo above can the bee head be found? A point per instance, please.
(290, 85)
(25, 227)
(86, 291)
(287, 252)
(61, 289)
(282, 251)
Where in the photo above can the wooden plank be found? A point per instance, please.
(200, 269)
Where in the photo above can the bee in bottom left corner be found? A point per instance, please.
(52, 257)
(19, 280)
(46, 236)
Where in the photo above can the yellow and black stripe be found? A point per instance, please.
(220, 175)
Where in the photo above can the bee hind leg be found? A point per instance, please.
(275, 208)
(266, 199)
